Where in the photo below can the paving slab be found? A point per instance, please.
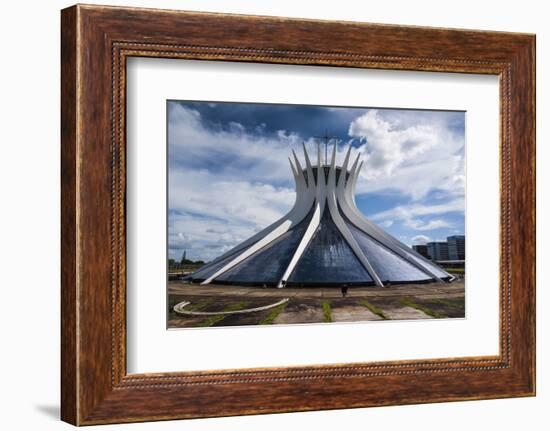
(305, 304)
(301, 313)
(185, 322)
(353, 313)
(404, 313)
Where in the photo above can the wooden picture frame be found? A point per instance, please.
(95, 43)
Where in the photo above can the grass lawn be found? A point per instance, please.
(409, 303)
(326, 311)
(211, 321)
(374, 309)
(273, 315)
(455, 270)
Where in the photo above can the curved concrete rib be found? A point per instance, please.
(346, 199)
(309, 169)
(304, 201)
(344, 192)
(315, 193)
(300, 190)
(341, 225)
(320, 199)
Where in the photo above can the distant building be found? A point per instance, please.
(457, 247)
(421, 249)
(438, 250)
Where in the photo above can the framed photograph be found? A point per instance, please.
(264, 214)
(234, 234)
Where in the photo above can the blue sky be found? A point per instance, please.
(229, 177)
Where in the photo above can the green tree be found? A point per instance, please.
(184, 260)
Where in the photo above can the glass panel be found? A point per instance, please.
(388, 265)
(268, 264)
(328, 259)
(430, 266)
(210, 268)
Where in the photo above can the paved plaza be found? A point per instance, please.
(312, 305)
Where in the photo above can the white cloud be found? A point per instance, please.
(387, 148)
(254, 204)
(429, 225)
(408, 212)
(236, 128)
(217, 207)
(227, 183)
(191, 142)
(217, 214)
(420, 239)
(408, 215)
(416, 181)
(413, 160)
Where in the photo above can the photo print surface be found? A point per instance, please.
(300, 214)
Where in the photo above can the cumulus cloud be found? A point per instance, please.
(414, 159)
(416, 216)
(228, 181)
(427, 225)
(387, 148)
(420, 239)
(410, 211)
(222, 184)
(230, 150)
